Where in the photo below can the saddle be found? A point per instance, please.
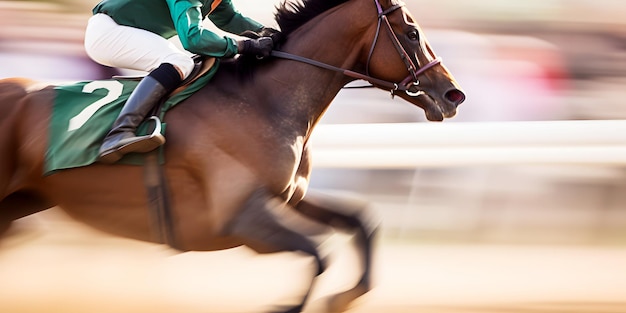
(201, 66)
(83, 112)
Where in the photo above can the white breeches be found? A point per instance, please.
(115, 45)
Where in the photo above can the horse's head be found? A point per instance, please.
(375, 40)
(397, 51)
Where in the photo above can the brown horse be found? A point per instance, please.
(237, 160)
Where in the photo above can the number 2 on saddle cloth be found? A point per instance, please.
(83, 113)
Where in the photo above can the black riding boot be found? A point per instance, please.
(122, 139)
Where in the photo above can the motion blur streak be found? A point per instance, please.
(458, 238)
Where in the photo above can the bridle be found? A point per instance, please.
(408, 85)
(412, 80)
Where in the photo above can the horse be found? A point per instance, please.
(237, 157)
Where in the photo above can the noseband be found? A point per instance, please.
(407, 85)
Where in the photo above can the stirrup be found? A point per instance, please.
(157, 127)
(138, 144)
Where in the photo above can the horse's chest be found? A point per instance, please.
(282, 164)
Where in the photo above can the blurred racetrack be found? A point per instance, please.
(48, 263)
(477, 239)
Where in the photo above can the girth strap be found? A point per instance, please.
(157, 193)
(159, 205)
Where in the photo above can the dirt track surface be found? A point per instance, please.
(63, 267)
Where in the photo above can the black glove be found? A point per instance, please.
(268, 31)
(263, 32)
(275, 34)
(261, 47)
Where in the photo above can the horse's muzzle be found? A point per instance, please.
(455, 96)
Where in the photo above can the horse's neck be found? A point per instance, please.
(311, 89)
(295, 95)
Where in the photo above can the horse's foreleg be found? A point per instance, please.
(259, 226)
(351, 215)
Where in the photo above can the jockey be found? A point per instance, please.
(133, 34)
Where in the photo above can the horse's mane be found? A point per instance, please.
(291, 14)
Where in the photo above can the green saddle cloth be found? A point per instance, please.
(84, 112)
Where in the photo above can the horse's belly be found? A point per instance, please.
(109, 198)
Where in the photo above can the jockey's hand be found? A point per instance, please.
(275, 34)
(261, 47)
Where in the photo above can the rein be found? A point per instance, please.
(407, 85)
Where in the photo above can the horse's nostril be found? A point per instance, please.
(455, 96)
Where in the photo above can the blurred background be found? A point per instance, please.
(535, 60)
(530, 61)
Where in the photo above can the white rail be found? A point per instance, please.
(410, 145)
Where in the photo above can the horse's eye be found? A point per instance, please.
(413, 35)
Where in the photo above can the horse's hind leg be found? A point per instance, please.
(13, 205)
(353, 216)
(260, 228)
